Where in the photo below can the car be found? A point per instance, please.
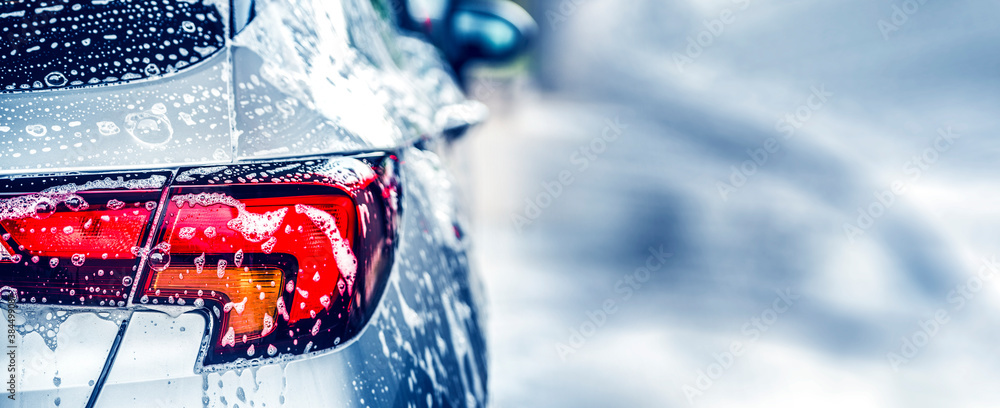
(209, 203)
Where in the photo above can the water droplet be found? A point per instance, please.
(54, 262)
(152, 70)
(76, 203)
(199, 263)
(159, 259)
(78, 259)
(238, 258)
(36, 130)
(220, 155)
(149, 127)
(44, 209)
(115, 205)
(55, 79)
(108, 128)
(127, 281)
(158, 108)
(187, 233)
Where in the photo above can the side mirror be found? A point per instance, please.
(488, 31)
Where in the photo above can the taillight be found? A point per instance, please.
(282, 258)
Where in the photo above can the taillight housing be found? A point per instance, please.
(282, 258)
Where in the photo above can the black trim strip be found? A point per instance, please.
(96, 392)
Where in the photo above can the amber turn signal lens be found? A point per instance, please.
(249, 295)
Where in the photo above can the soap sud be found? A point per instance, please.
(221, 268)
(186, 176)
(282, 310)
(187, 233)
(350, 173)
(238, 307)
(253, 227)
(46, 321)
(268, 246)
(229, 339)
(199, 263)
(269, 325)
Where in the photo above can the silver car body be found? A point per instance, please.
(314, 78)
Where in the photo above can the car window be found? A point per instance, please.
(72, 43)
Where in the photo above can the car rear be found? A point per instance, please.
(184, 224)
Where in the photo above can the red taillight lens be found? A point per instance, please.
(97, 230)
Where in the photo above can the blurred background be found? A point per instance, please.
(744, 203)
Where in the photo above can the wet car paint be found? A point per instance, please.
(424, 345)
